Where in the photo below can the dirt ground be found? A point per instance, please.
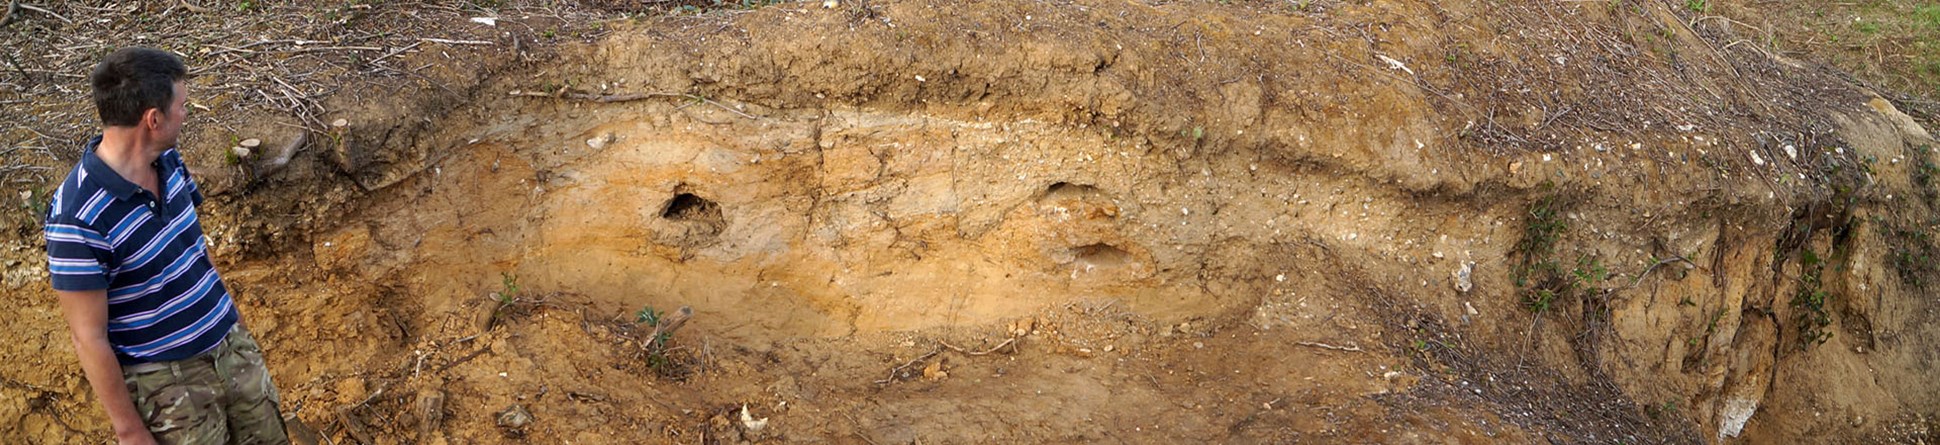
(950, 221)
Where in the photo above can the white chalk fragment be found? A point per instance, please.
(1396, 64)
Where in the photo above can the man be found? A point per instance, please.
(157, 334)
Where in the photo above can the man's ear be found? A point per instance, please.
(151, 119)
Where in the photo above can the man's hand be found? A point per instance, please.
(87, 323)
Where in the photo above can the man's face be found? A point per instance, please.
(167, 127)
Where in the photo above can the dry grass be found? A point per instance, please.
(249, 57)
(1890, 45)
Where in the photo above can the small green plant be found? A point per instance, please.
(510, 283)
(663, 325)
(245, 5)
(229, 156)
(1669, 407)
(503, 299)
(1810, 301)
(650, 317)
(1539, 235)
(1697, 6)
(1913, 254)
(1195, 133)
(1589, 271)
(1925, 171)
(1540, 300)
(36, 201)
(1541, 278)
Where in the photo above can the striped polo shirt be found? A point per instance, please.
(165, 301)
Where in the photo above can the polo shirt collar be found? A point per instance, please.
(103, 175)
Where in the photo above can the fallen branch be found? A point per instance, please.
(614, 98)
(465, 358)
(898, 370)
(1348, 348)
(246, 48)
(396, 52)
(331, 48)
(16, 63)
(38, 9)
(456, 42)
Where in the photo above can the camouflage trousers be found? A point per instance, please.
(220, 397)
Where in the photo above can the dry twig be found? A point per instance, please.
(38, 9)
(1348, 348)
(613, 98)
(455, 42)
(198, 9)
(1006, 342)
(858, 431)
(665, 327)
(899, 369)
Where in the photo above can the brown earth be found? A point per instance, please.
(970, 222)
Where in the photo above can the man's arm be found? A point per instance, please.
(87, 322)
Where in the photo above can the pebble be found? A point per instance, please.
(600, 141)
(514, 417)
(1462, 282)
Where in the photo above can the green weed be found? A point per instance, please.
(1539, 235)
(656, 347)
(1663, 410)
(1697, 6)
(1913, 255)
(37, 201)
(1540, 277)
(650, 317)
(503, 299)
(1927, 16)
(1810, 300)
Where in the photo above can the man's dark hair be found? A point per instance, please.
(131, 81)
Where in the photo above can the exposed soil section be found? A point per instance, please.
(971, 222)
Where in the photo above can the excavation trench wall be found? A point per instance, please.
(824, 173)
(973, 172)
